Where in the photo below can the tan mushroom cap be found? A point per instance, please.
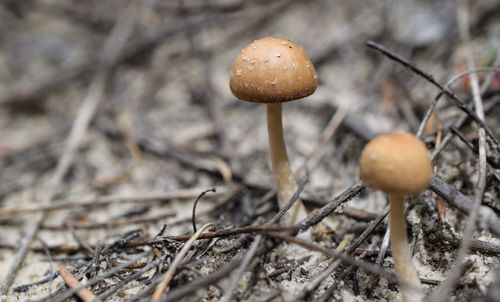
(272, 70)
(396, 163)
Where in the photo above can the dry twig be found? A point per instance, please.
(313, 284)
(393, 56)
(84, 294)
(140, 197)
(441, 292)
(160, 289)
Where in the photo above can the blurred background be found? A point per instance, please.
(148, 81)
(170, 75)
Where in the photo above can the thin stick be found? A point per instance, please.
(311, 220)
(111, 223)
(96, 279)
(220, 273)
(193, 218)
(393, 56)
(458, 124)
(442, 291)
(143, 197)
(374, 269)
(333, 266)
(490, 162)
(85, 294)
(228, 296)
(463, 203)
(384, 246)
(316, 280)
(110, 291)
(318, 215)
(428, 113)
(257, 241)
(177, 261)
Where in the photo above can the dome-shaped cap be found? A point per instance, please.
(272, 70)
(396, 163)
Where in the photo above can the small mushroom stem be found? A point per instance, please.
(286, 185)
(412, 288)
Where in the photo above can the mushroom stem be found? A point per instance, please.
(411, 289)
(286, 185)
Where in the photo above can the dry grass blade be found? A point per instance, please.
(84, 294)
(160, 289)
(429, 112)
(441, 292)
(228, 295)
(429, 78)
(333, 266)
(139, 197)
(335, 254)
(66, 294)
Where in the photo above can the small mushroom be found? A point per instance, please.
(273, 71)
(398, 164)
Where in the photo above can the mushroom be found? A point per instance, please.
(398, 164)
(273, 71)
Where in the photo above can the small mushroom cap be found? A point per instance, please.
(396, 163)
(272, 70)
